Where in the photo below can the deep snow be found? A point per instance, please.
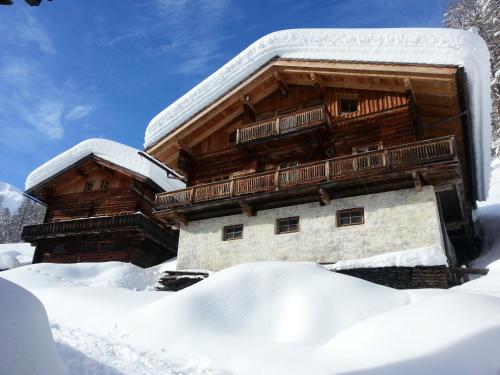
(411, 45)
(255, 318)
(14, 255)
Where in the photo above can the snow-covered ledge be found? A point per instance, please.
(424, 46)
(425, 256)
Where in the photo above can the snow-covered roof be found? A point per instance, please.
(419, 46)
(124, 156)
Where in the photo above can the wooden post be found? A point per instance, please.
(237, 136)
(277, 125)
(327, 170)
(277, 179)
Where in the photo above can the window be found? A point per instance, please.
(348, 106)
(89, 186)
(105, 246)
(288, 164)
(353, 216)
(220, 178)
(104, 185)
(287, 225)
(232, 137)
(233, 232)
(363, 149)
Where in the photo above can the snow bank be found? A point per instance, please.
(13, 255)
(264, 318)
(425, 256)
(91, 275)
(26, 342)
(426, 46)
(116, 153)
(451, 333)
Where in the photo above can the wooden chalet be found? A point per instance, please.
(99, 210)
(301, 141)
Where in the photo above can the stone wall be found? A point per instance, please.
(397, 220)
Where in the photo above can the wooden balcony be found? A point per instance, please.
(285, 124)
(94, 225)
(408, 157)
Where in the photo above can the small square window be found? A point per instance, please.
(232, 137)
(105, 246)
(287, 225)
(348, 106)
(104, 185)
(89, 186)
(233, 232)
(220, 178)
(288, 164)
(354, 216)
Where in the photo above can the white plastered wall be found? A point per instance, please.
(394, 221)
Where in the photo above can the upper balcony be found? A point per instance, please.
(403, 165)
(285, 124)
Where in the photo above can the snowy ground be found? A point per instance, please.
(256, 318)
(14, 255)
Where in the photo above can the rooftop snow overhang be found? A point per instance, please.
(398, 46)
(115, 155)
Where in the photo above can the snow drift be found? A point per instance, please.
(114, 152)
(26, 340)
(421, 46)
(15, 255)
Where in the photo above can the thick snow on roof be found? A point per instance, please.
(124, 156)
(421, 46)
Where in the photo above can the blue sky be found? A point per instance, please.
(71, 70)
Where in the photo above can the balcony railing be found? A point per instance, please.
(92, 224)
(336, 169)
(288, 123)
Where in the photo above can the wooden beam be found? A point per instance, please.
(248, 106)
(282, 85)
(182, 145)
(324, 197)
(246, 208)
(180, 218)
(417, 180)
(317, 83)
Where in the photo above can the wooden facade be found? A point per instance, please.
(303, 131)
(98, 211)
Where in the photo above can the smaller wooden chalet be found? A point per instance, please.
(99, 196)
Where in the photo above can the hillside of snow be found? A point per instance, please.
(255, 318)
(10, 196)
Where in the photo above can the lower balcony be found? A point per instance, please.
(96, 225)
(390, 168)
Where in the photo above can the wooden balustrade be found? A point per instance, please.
(31, 232)
(283, 124)
(335, 169)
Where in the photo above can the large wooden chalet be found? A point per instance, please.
(311, 157)
(99, 198)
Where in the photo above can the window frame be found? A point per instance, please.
(227, 228)
(86, 188)
(105, 185)
(350, 210)
(356, 150)
(280, 220)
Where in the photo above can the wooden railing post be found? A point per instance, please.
(327, 170)
(231, 187)
(277, 179)
(237, 136)
(277, 125)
